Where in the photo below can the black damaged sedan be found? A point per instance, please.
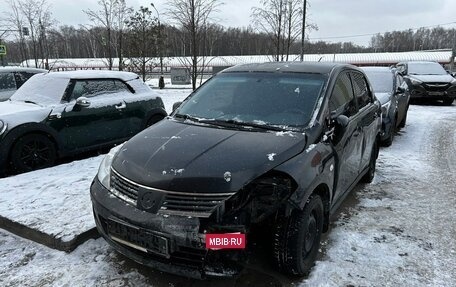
(273, 147)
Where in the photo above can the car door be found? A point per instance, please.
(134, 111)
(101, 121)
(367, 116)
(348, 143)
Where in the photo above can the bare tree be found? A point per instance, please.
(15, 19)
(281, 19)
(105, 17)
(122, 15)
(38, 17)
(193, 17)
(142, 39)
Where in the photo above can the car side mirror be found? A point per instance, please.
(400, 90)
(338, 125)
(342, 122)
(176, 105)
(82, 102)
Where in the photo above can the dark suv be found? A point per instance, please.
(428, 81)
(272, 147)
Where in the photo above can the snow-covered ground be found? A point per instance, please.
(398, 231)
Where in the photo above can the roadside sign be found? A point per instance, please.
(2, 50)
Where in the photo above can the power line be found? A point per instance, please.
(373, 34)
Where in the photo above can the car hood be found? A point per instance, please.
(433, 78)
(383, 97)
(15, 113)
(9, 108)
(179, 156)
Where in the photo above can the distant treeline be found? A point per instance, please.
(72, 42)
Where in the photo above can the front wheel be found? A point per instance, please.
(389, 140)
(369, 176)
(31, 152)
(404, 120)
(448, 102)
(297, 238)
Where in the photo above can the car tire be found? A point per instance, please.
(404, 119)
(369, 176)
(448, 102)
(153, 120)
(297, 238)
(32, 152)
(389, 140)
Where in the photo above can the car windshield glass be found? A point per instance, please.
(268, 99)
(42, 89)
(382, 81)
(426, 69)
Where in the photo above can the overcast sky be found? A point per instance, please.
(334, 18)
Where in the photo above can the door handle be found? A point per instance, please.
(121, 106)
(55, 116)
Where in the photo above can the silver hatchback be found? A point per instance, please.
(12, 78)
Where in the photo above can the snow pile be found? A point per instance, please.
(55, 201)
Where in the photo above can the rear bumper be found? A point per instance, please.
(185, 253)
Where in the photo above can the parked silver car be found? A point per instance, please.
(12, 78)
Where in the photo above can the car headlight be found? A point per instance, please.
(3, 127)
(453, 81)
(415, 81)
(104, 171)
(385, 108)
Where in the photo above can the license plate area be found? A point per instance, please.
(138, 238)
(436, 93)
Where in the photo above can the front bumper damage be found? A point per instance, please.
(170, 243)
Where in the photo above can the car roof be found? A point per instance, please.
(22, 69)
(379, 69)
(419, 62)
(291, 67)
(94, 74)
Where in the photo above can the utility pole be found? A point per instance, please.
(303, 32)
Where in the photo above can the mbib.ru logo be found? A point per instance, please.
(225, 241)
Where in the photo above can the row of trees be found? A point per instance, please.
(119, 32)
(135, 37)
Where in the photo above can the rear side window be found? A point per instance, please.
(342, 100)
(22, 77)
(361, 91)
(7, 82)
(94, 88)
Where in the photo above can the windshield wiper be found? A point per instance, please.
(187, 117)
(30, 102)
(243, 124)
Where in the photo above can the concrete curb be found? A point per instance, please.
(47, 239)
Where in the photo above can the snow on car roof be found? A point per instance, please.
(21, 69)
(92, 74)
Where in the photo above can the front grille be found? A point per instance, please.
(175, 203)
(123, 188)
(198, 205)
(436, 87)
